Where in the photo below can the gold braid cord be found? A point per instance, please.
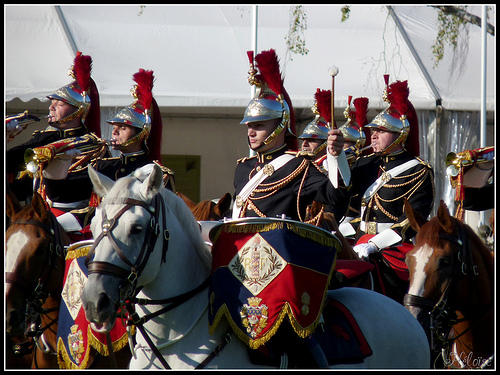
(418, 177)
(272, 188)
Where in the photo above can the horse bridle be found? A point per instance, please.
(152, 233)
(35, 302)
(131, 276)
(442, 314)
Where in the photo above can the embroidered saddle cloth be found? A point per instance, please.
(265, 270)
(75, 338)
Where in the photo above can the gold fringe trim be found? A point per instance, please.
(78, 253)
(64, 360)
(316, 236)
(286, 310)
(101, 348)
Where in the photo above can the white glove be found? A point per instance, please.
(70, 154)
(364, 249)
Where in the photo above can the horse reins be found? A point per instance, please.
(131, 276)
(442, 316)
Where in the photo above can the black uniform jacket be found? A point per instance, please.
(386, 206)
(289, 190)
(125, 164)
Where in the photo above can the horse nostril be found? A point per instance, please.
(103, 303)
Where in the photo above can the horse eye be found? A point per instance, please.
(444, 262)
(136, 229)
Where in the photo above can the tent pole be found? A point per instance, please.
(484, 35)
(255, 19)
(65, 27)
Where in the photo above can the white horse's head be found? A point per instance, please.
(138, 227)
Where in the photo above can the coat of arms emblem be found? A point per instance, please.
(256, 264)
(254, 316)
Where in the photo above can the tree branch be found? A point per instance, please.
(469, 17)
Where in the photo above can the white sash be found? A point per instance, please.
(256, 180)
(381, 181)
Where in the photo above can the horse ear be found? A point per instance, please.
(39, 206)
(414, 217)
(102, 184)
(445, 217)
(12, 205)
(152, 184)
(223, 204)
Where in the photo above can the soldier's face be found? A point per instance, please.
(381, 139)
(58, 110)
(121, 133)
(311, 144)
(259, 131)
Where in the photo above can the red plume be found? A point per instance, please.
(269, 69)
(397, 94)
(323, 102)
(361, 105)
(81, 70)
(144, 88)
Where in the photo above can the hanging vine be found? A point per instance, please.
(295, 40)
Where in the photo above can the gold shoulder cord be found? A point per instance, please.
(272, 188)
(420, 176)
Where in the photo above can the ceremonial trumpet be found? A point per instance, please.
(454, 162)
(33, 157)
(23, 120)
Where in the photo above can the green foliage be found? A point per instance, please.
(295, 40)
(346, 10)
(450, 26)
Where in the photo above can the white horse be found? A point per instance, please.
(181, 334)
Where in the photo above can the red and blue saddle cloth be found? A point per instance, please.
(75, 338)
(268, 270)
(393, 257)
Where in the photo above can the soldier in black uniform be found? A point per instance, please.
(278, 181)
(315, 134)
(137, 131)
(392, 173)
(355, 134)
(74, 112)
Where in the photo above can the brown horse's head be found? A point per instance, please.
(449, 262)
(208, 210)
(30, 261)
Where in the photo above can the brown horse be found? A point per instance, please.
(451, 289)
(35, 268)
(208, 210)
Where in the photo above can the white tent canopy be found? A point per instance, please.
(198, 53)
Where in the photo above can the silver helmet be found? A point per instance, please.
(270, 100)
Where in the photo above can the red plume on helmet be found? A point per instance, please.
(361, 106)
(145, 103)
(144, 89)
(267, 63)
(397, 94)
(323, 103)
(80, 71)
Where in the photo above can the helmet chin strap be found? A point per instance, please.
(400, 140)
(70, 117)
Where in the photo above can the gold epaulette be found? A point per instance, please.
(242, 160)
(164, 169)
(422, 161)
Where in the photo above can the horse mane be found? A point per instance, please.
(483, 259)
(189, 223)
